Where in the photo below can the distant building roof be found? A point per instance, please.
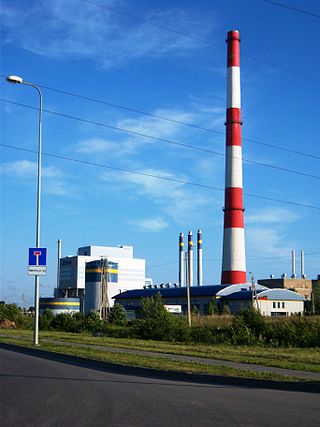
(240, 295)
(171, 292)
(281, 294)
(231, 289)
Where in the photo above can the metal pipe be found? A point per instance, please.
(181, 255)
(293, 275)
(58, 263)
(303, 276)
(199, 258)
(190, 258)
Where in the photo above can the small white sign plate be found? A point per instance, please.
(37, 270)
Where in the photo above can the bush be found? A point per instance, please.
(241, 334)
(45, 320)
(117, 315)
(156, 323)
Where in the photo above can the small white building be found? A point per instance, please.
(280, 302)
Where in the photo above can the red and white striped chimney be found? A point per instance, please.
(234, 260)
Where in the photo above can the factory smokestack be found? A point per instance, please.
(303, 276)
(199, 258)
(190, 258)
(234, 261)
(58, 263)
(181, 255)
(293, 275)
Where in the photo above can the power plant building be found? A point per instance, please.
(130, 270)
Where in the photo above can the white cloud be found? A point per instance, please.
(269, 241)
(150, 224)
(26, 168)
(95, 146)
(59, 29)
(175, 199)
(271, 216)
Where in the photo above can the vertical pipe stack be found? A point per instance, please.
(181, 255)
(303, 276)
(234, 262)
(58, 263)
(190, 258)
(199, 258)
(293, 275)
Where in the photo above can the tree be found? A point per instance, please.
(117, 315)
(212, 307)
(157, 323)
(316, 298)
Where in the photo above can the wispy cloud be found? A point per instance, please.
(57, 29)
(175, 199)
(24, 170)
(150, 224)
(95, 146)
(269, 241)
(272, 216)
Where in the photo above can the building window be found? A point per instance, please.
(283, 305)
(274, 305)
(278, 304)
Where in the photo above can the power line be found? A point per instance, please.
(164, 140)
(164, 178)
(294, 9)
(179, 122)
(191, 37)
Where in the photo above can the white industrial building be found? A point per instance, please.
(131, 271)
(280, 302)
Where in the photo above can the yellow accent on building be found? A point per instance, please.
(181, 244)
(60, 303)
(99, 270)
(200, 242)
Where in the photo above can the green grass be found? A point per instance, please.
(150, 361)
(304, 359)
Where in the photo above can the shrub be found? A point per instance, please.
(45, 320)
(157, 323)
(240, 333)
(253, 319)
(117, 315)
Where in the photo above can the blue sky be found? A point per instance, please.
(85, 48)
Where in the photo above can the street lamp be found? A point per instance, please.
(19, 80)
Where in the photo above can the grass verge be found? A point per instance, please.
(303, 359)
(152, 362)
(146, 361)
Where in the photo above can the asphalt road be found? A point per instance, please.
(41, 392)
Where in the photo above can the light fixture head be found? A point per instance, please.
(14, 79)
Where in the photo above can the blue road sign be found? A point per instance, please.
(37, 256)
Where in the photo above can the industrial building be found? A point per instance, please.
(59, 305)
(303, 287)
(130, 272)
(270, 302)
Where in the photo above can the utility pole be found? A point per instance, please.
(188, 288)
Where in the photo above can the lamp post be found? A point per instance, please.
(19, 80)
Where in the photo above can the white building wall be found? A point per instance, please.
(131, 273)
(266, 307)
(106, 251)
